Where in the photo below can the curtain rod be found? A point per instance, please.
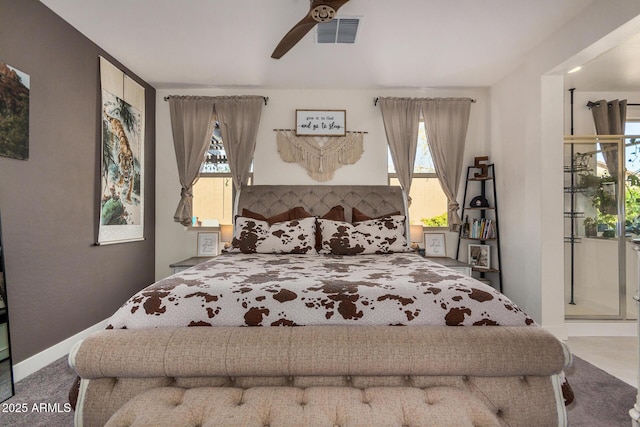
(347, 131)
(266, 99)
(591, 104)
(375, 101)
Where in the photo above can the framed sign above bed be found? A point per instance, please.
(321, 122)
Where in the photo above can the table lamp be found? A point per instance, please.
(416, 236)
(226, 234)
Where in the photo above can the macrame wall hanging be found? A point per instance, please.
(320, 155)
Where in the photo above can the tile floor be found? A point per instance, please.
(616, 355)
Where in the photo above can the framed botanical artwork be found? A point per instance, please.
(208, 243)
(479, 256)
(435, 245)
(14, 114)
(321, 122)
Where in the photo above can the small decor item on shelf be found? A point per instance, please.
(478, 162)
(479, 256)
(479, 202)
(466, 227)
(482, 229)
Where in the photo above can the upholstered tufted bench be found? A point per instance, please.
(314, 406)
(280, 377)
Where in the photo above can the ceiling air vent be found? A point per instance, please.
(338, 30)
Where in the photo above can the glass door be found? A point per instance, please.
(632, 212)
(595, 228)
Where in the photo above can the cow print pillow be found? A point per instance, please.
(295, 236)
(377, 236)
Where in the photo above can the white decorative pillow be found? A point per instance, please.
(376, 236)
(296, 236)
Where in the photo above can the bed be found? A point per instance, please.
(347, 328)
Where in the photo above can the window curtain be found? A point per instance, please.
(401, 117)
(193, 119)
(239, 118)
(446, 121)
(609, 119)
(192, 124)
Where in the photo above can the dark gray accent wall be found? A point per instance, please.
(58, 283)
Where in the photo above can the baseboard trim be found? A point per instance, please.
(38, 361)
(602, 329)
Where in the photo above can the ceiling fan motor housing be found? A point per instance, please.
(323, 13)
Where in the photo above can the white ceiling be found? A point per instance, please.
(617, 70)
(401, 43)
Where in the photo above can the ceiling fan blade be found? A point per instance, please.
(317, 13)
(293, 36)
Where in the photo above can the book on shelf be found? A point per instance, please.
(482, 229)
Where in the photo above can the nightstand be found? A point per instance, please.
(188, 263)
(454, 264)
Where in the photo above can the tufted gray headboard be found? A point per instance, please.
(373, 200)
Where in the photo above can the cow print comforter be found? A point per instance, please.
(291, 290)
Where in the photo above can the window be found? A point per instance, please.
(603, 200)
(632, 182)
(213, 192)
(428, 201)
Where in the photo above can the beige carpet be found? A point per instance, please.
(601, 399)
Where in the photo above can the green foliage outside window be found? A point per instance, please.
(436, 221)
(607, 221)
(632, 204)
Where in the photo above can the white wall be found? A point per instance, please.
(174, 242)
(526, 142)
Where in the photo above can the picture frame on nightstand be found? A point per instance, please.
(208, 243)
(435, 245)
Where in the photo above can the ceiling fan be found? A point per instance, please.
(319, 11)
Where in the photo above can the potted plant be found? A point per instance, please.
(607, 224)
(590, 227)
(601, 190)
